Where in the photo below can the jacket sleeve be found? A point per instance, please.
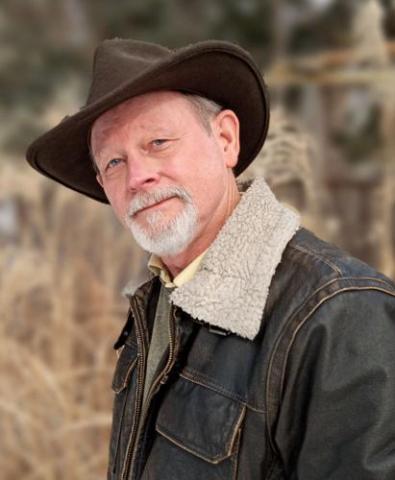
(337, 414)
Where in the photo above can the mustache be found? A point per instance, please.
(147, 199)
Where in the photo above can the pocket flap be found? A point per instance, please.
(126, 362)
(200, 420)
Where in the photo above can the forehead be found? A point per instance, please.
(157, 108)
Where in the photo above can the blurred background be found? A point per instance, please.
(63, 258)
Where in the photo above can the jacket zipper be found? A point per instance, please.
(161, 378)
(141, 361)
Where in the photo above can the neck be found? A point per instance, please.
(207, 234)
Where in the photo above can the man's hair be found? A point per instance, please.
(205, 108)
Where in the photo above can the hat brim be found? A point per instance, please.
(216, 70)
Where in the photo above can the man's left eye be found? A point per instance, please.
(159, 142)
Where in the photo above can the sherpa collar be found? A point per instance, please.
(231, 286)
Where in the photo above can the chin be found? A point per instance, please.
(166, 243)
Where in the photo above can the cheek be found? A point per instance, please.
(119, 213)
(207, 196)
(206, 183)
(118, 205)
(207, 174)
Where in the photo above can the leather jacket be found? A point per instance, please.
(310, 395)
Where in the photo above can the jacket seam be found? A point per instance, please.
(313, 310)
(375, 279)
(126, 378)
(113, 466)
(270, 417)
(235, 457)
(173, 439)
(217, 389)
(199, 380)
(235, 445)
(229, 446)
(256, 409)
(340, 279)
(311, 253)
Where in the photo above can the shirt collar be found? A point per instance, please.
(157, 267)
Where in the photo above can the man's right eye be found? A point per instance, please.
(114, 162)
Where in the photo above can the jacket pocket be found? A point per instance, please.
(198, 432)
(123, 387)
(126, 363)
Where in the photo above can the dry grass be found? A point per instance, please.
(289, 164)
(62, 266)
(60, 312)
(61, 271)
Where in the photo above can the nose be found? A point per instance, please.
(141, 173)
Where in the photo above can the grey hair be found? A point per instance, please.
(91, 156)
(205, 108)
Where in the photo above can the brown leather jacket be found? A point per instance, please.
(309, 395)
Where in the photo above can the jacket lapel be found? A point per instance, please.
(230, 288)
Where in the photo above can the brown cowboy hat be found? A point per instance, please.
(220, 71)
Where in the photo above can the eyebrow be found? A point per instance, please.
(104, 153)
(162, 130)
(99, 151)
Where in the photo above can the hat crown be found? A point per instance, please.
(123, 69)
(119, 61)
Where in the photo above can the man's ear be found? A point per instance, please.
(227, 128)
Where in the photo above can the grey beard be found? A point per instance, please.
(173, 236)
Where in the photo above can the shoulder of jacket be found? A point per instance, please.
(312, 271)
(318, 262)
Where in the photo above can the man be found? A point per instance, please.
(256, 350)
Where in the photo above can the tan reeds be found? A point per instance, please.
(288, 162)
(60, 313)
(371, 51)
(367, 67)
(64, 261)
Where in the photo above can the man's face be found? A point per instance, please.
(165, 175)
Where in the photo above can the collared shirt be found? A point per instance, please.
(160, 332)
(157, 267)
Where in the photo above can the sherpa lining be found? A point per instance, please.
(231, 286)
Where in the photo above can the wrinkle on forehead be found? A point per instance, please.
(117, 117)
(103, 125)
(117, 113)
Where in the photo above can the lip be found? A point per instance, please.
(154, 205)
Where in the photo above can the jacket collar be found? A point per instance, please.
(231, 286)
